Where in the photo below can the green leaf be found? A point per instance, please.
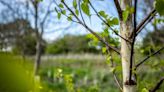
(131, 10)
(125, 15)
(77, 12)
(106, 30)
(63, 12)
(86, 1)
(159, 6)
(112, 69)
(85, 8)
(69, 18)
(75, 4)
(59, 15)
(145, 90)
(102, 13)
(118, 68)
(104, 50)
(108, 59)
(61, 6)
(115, 21)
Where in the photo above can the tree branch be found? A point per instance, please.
(102, 40)
(157, 86)
(114, 74)
(45, 18)
(65, 15)
(145, 21)
(118, 7)
(81, 12)
(10, 7)
(91, 31)
(107, 23)
(133, 41)
(141, 62)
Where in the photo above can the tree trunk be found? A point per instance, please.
(125, 57)
(126, 28)
(38, 57)
(38, 39)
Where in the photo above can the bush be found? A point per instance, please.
(70, 43)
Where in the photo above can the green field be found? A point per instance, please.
(73, 73)
(91, 73)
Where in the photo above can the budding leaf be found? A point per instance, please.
(63, 12)
(59, 15)
(115, 21)
(77, 12)
(69, 18)
(125, 15)
(61, 6)
(85, 8)
(74, 4)
(145, 90)
(102, 13)
(104, 50)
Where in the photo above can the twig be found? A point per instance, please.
(114, 74)
(145, 21)
(64, 15)
(81, 12)
(118, 7)
(10, 7)
(91, 31)
(45, 18)
(117, 82)
(107, 23)
(141, 62)
(102, 40)
(157, 86)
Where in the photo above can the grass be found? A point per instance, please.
(89, 73)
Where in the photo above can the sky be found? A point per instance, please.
(55, 28)
(94, 23)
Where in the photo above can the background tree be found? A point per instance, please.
(37, 14)
(12, 33)
(71, 44)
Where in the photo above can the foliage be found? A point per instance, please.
(70, 43)
(26, 46)
(22, 40)
(106, 35)
(86, 76)
(152, 41)
(159, 6)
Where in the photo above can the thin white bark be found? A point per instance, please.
(125, 29)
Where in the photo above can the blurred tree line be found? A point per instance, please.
(20, 36)
(72, 44)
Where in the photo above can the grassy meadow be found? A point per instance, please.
(72, 73)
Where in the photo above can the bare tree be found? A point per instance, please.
(31, 11)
